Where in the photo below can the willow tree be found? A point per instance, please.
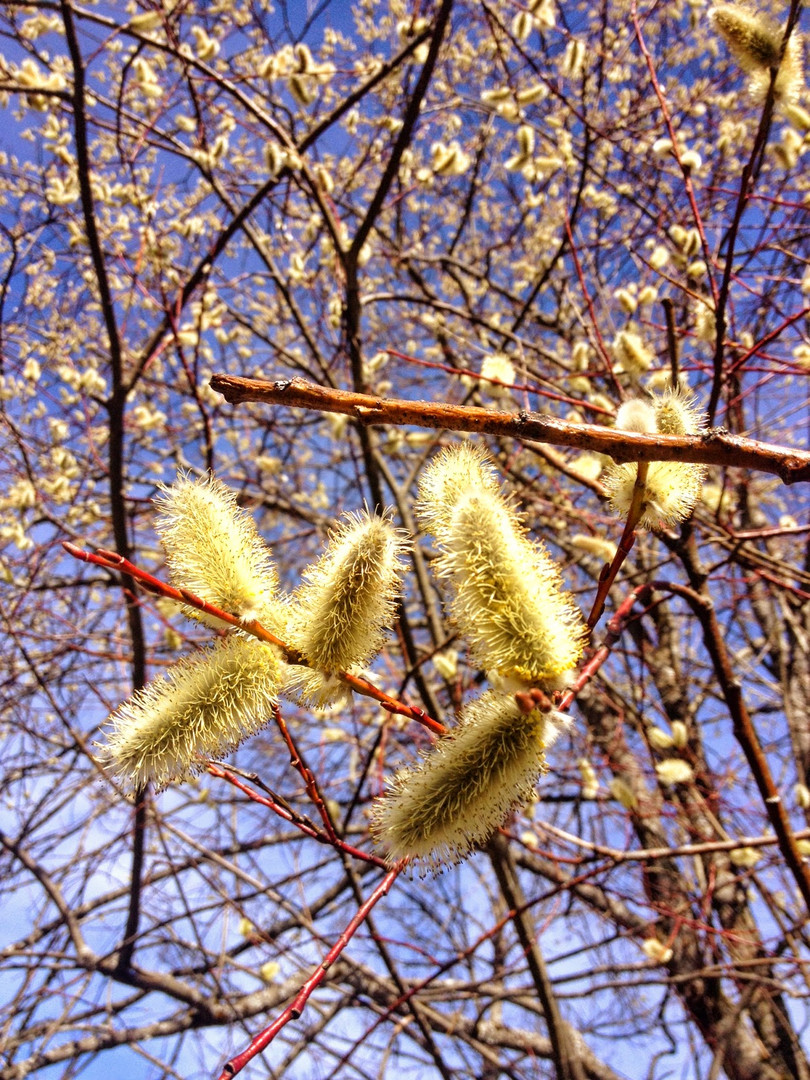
(310, 253)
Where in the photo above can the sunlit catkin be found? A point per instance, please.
(507, 595)
(453, 472)
(341, 613)
(755, 41)
(203, 708)
(672, 487)
(214, 550)
(439, 810)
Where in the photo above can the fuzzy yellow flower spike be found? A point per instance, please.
(204, 707)
(507, 595)
(671, 487)
(439, 810)
(754, 41)
(214, 549)
(340, 615)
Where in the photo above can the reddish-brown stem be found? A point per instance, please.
(615, 628)
(296, 1006)
(745, 733)
(676, 150)
(594, 321)
(111, 560)
(392, 705)
(609, 573)
(300, 766)
(711, 448)
(285, 812)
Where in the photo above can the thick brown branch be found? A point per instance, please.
(712, 448)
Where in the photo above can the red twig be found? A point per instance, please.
(594, 321)
(296, 1006)
(628, 538)
(615, 628)
(673, 136)
(306, 774)
(288, 814)
(111, 560)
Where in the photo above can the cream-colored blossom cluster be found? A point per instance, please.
(522, 627)
(671, 488)
(755, 42)
(296, 64)
(206, 705)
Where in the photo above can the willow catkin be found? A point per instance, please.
(461, 792)
(755, 42)
(341, 613)
(452, 473)
(671, 487)
(203, 707)
(507, 594)
(213, 549)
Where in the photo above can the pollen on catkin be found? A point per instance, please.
(461, 792)
(203, 707)
(755, 41)
(672, 487)
(214, 550)
(340, 614)
(507, 595)
(454, 471)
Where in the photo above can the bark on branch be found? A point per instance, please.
(716, 447)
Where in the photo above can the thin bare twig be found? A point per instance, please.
(296, 1006)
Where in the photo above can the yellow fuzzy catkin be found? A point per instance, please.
(214, 550)
(340, 615)
(507, 594)
(631, 353)
(672, 487)
(677, 414)
(439, 810)
(204, 707)
(454, 471)
(755, 42)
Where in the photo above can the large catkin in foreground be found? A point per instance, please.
(341, 613)
(214, 549)
(202, 708)
(439, 810)
(507, 595)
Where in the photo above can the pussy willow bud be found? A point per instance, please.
(631, 353)
(203, 708)
(755, 41)
(454, 471)
(672, 487)
(439, 810)
(341, 613)
(212, 548)
(636, 415)
(507, 594)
